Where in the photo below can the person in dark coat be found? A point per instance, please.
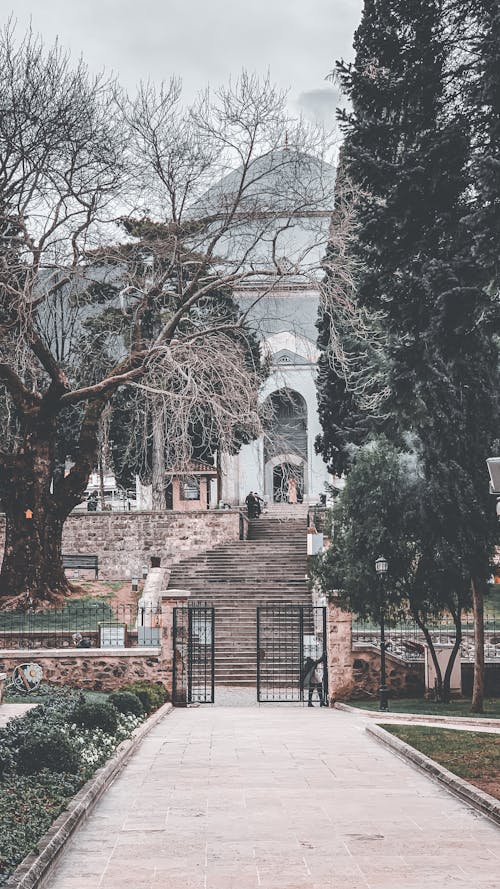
(92, 502)
(311, 680)
(258, 501)
(252, 505)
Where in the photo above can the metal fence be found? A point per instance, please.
(193, 678)
(405, 638)
(82, 624)
(290, 639)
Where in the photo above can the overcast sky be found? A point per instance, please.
(204, 41)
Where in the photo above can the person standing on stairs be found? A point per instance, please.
(258, 501)
(252, 505)
(312, 680)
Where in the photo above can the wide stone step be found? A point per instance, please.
(269, 568)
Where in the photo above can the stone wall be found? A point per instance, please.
(105, 669)
(355, 673)
(404, 679)
(125, 541)
(339, 653)
(92, 668)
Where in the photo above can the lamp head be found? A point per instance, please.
(493, 464)
(381, 565)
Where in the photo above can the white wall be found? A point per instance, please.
(245, 472)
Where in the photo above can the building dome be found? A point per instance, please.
(282, 217)
(283, 181)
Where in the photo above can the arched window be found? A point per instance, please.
(285, 423)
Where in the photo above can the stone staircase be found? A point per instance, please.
(268, 568)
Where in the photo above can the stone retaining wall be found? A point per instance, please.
(354, 673)
(404, 679)
(125, 541)
(92, 668)
(105, 669)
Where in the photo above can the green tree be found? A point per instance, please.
(73, 153)
(383, 510)
(409, 146)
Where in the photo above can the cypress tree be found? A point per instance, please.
(409, 146)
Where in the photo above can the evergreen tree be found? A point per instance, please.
(486, 108)
(383, 509)
(408, 145)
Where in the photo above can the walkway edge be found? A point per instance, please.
(37, 866)
(418, 717)
(476, 798)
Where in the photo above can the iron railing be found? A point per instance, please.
(82, 623)
(288, 636)
(405, 638)
(193, 678)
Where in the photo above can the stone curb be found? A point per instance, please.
(418, 717)
(476, 798)
(37, 866)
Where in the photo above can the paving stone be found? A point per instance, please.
(276, 798)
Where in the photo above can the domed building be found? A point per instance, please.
(295, 193)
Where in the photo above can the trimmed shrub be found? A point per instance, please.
(126, 702)
(6, 762)
(151, 694)
(93, 716)
(54, 752)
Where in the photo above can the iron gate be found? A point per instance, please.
(193, 655)
(287, 636)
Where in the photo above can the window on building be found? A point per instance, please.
(190, 489)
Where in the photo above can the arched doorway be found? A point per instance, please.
(288, 483)
(285, 447)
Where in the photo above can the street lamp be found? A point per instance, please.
(381, 566)
(493, 464)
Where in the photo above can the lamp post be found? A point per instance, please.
(493, 464)
(381, 566)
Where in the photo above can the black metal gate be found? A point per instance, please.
(193, 655)
(287, 636)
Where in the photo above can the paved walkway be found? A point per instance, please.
(276, 798)
(10, 711)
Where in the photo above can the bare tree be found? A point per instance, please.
(135, 212)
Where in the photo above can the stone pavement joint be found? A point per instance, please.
(481, 800)
(276, 798)
(479, 723)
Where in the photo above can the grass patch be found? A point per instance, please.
(474, 756)
(82, 615)
(109, 585)
(431, 708)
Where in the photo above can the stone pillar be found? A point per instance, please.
(339, 652)
(154, 586)
(169, 600)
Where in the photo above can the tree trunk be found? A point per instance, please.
(218, 466)
(36, 506)
(101, 483)
(438, 689)
(478, 610)
(32, 574)
(457, 618)
(158, 459)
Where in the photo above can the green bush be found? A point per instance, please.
(41, 739)
(126, 702)
(91, 716)
(6, 761)
(151, 694)
(54, 752)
